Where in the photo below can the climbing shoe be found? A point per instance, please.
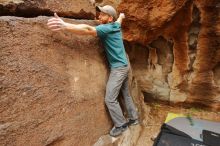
(133, 122)
(116, 131)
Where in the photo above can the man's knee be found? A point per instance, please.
(109, 101)
(109, 96)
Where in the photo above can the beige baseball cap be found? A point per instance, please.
(108, 10)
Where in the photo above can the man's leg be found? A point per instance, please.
(132, 112)
(114, 84)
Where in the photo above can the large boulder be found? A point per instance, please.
(178, 56)
(52, 85)
(205, 89)
(145, 20)
(78, 9)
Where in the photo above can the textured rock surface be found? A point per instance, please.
(52, 85)
(80, 9)
(145, 20)
(128, 138)
(203, 88)
(178, 59)
(113, 3)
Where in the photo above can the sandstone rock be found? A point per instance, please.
(52, 85)
(207, 55)
(128, 138)
(113, 3)
(78, 9)
(145, 20)
(190, 65)
(177, 96)
(48, 79)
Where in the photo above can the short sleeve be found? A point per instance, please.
(117, 24)
(102, 30)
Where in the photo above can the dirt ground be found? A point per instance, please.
(157, 116)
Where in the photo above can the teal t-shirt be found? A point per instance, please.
(111, 37)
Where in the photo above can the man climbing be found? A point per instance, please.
(109, 31)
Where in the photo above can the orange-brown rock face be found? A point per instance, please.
(52, 85)
(144, 19)
(191, 30)
(78, 9)
(204, 89)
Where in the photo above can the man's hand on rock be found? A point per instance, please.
(56, 23)
(122, 15)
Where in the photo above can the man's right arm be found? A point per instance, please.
(56, 24)
(81, 29)
(120, 18)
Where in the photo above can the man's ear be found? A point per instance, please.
(111, 19)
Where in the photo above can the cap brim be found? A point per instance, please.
(98, 8)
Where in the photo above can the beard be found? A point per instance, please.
(101, 21)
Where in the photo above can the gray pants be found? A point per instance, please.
(118, 79)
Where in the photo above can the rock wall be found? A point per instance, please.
(203, 88)
(52, 85)
(181, 40)
(78, 9)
